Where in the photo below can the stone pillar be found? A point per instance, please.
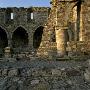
(10, 40)
(30, 40)
(81, 38)
(75, 22)
(8, 50)
(9, 43)
(85, 17)
(61, 41)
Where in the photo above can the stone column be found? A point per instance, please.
(85, 20)
(30, 40)
(9, 43)
(81, 26)
(10, 40)
(75, 23)
(60, 40)
(8, 49)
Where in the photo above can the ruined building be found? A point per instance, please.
(60, 30)
(21, 28)
(43, 48)
(67, 29)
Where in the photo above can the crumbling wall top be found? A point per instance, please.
(25, 9)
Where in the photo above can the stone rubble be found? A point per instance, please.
(41, 76)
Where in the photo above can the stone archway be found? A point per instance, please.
(19, 38)
(3, 40)
(37, 37)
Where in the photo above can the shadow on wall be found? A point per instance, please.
(3, 40)
(37, 37)
(19, 38)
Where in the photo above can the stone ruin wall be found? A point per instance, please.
(65, 28)
(23, 20)
(70, 73)
(69, 23)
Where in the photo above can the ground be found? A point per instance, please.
(36, 74)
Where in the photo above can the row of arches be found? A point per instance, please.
(20, 38)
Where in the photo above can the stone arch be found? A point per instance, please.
(37, 37)
(6, 30)
(14, 28)
(19, 37)
(3, 39)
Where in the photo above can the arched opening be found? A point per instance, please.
(37, 37)
(20, 38)
(3, 40)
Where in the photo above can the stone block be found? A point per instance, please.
(29, 73)
(42, 86)
(34, 82)
(4, 72)
(13, 72)
(56, 72)
(73, 72)
(87, 76)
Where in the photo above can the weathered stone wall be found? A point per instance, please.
(86, 18)
(26, 71)
(69, 20)
(22, 18)
(65, 21)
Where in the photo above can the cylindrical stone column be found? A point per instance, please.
(82, 22)
(61, 41)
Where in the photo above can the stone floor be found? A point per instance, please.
(43, 75)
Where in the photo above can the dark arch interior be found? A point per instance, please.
(3, 39)
(37, 37)
(20, 38)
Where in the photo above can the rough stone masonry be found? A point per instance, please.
(45, 48)
(60, 30)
